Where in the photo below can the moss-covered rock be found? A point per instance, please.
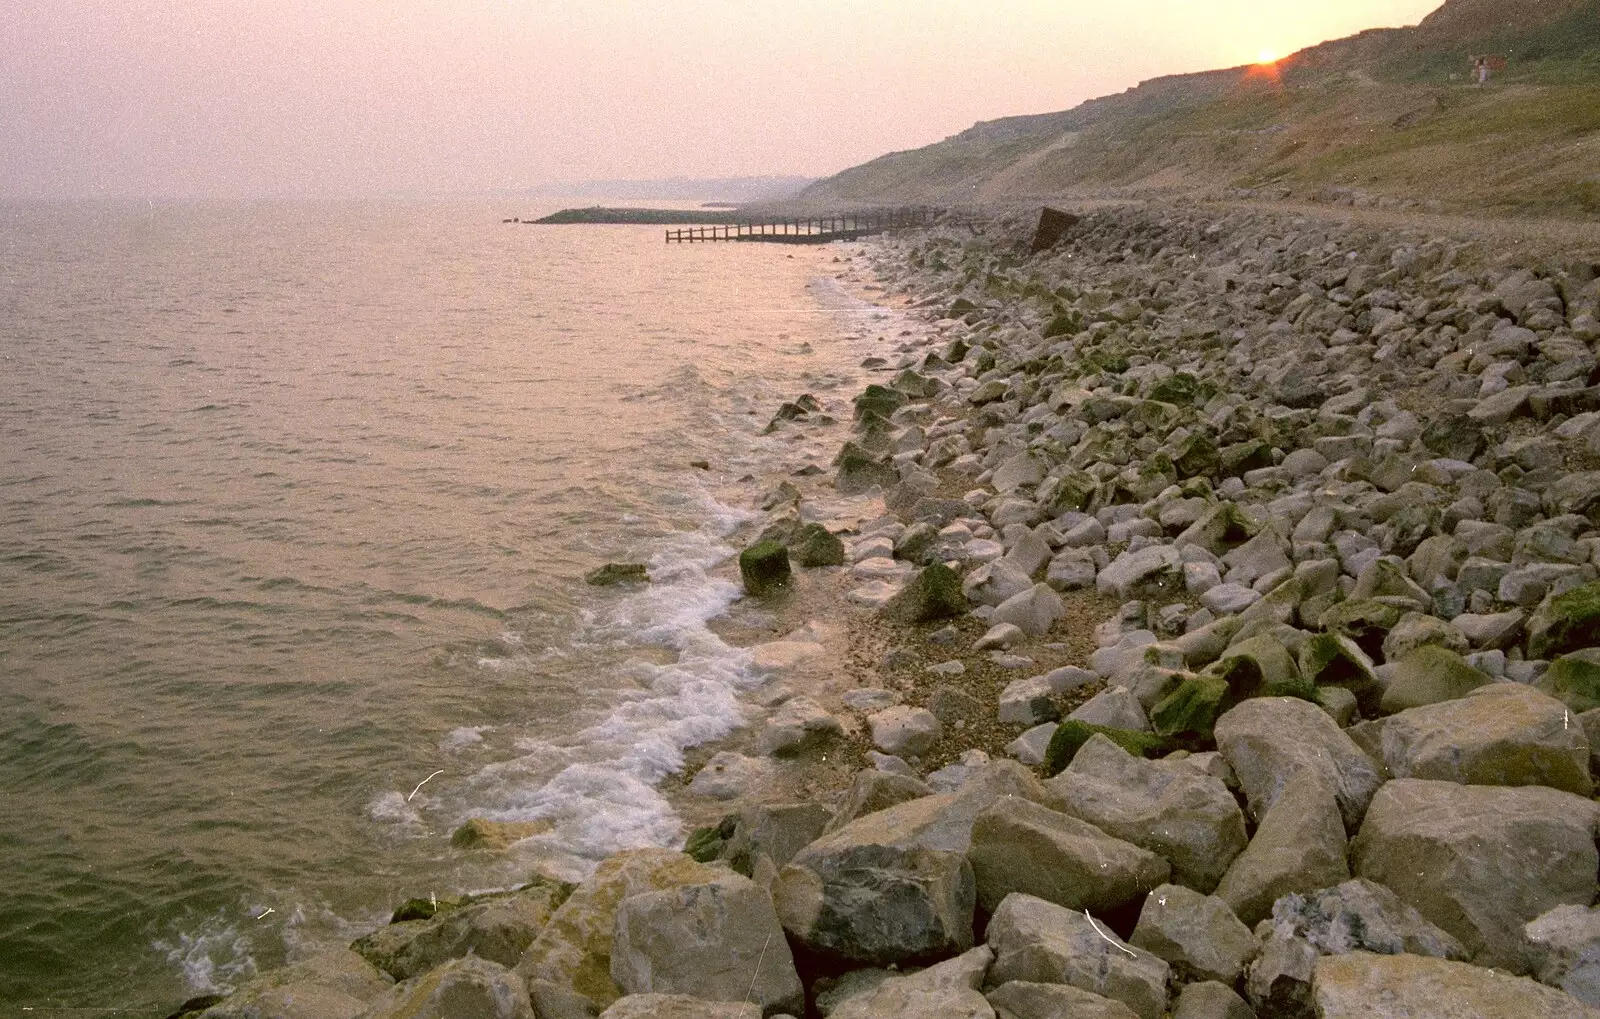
(1071, 735)
(709, 843)
(915, 385)
(876, 399)
(480, 833)
(1364, 620)
(1065, 322)
(764, 567)
(1334, 660)
(1190, 712)
(934, 593)
(1196, 456)
(1241, 457)
(612, 574)
(1261, 667)
(497, 927)
(1069, 491)
(1574, 679)
(1565, 622)
(814, 545)
(1180, 388)
(1429, 675)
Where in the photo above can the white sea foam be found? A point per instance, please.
(602, 798)
(463, 737)
(392, 808)
(214, 959)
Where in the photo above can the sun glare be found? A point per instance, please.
(1266, 57)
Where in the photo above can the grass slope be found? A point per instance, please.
(1389, 113)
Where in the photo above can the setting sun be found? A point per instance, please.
(1266, 57)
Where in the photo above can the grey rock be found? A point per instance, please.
(1020, 846)
(1196, 934)
(1020, 999)
(798, 724)
(673, 1006)
(1031, 747)
(1564, 948)
(993, 583)
(1116, 708)
(1361, 916)
(1499, 734)
(1279, 982)
(470, 988)
(1185, 815)
(1480, 861)
(1211, 1000)
(1040, 942)
(333, 985)
(1363, 986)
(946, 991)
(1028, 701)
(1268, 740)
(1129, 570)
(720, 940)
(904, 730)
(1034, 611)
(1299, 847)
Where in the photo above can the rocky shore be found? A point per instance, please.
(1202, 620)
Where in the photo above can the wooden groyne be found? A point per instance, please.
(814, 230)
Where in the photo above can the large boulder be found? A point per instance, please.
(871, 791)
(1361, 916)
(1211, 1000)
(469, 988)
(334, 985)
(1041, 942)
(895, 885)
(574, 948)
(1565, 622)
(766, 837)
(495, 927)
(1364, 986)
(674, 1006)
(1187, 817)
(1574, 679)
(1022, 999)
(1267, 740)
(1020, 846)
(719, 940)
(1300, 847)
(1197, 935)
(1480, 861)
(1564, 946)
(946, 991)
(1500, 734)
(1429, 675)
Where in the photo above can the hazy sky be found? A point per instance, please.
(133, 98)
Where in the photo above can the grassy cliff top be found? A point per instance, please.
(1389, 115)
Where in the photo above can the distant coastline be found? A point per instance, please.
(603, 214)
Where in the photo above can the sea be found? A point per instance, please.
(296, 504)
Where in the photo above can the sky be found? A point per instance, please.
(260, 98)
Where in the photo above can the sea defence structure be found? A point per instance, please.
(846, 226)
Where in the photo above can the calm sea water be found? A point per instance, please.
(295, 504)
